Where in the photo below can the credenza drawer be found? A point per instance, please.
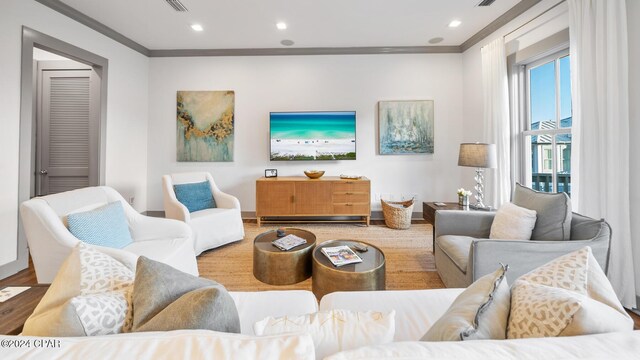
(351, 208)
(351, 197)
(350, 186)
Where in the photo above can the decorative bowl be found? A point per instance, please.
(314, 174)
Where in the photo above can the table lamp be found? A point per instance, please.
(480, 156)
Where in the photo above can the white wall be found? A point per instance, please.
(127, 110)
(633, 13)
(519, 34)
(292, 83)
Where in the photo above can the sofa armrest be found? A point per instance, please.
(464, 223)
(226, 201)
(173, 209)
(145, 228)
(523, 256)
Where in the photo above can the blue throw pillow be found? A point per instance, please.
(195, 196)
(105, 226)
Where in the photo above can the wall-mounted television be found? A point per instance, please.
(317, 135)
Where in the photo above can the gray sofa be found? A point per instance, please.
(464, 252)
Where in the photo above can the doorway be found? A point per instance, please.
(67, 119)
(32, 39)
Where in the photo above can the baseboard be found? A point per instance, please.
(248, 215)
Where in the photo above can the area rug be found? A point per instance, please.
(408, 253)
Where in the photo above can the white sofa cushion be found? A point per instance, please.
(215, 227)
(416, 310)
(254, 306)
(334, 330)
(180, 344)
(567, 296)
(513, 222)
(619, 346)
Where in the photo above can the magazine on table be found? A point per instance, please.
(341, 255)
(288, 242)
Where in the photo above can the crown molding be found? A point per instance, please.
(90, 22)
(517, 10)
(307, 51)
(503, 19)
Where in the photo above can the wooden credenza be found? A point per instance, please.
(299, 196)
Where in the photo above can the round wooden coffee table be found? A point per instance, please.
(367, 275)
(278, 267)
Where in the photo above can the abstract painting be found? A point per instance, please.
(406, 127)
(205, 125)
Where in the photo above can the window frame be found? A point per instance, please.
(524, 99)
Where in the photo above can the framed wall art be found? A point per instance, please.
(406, 127)
(205, 125)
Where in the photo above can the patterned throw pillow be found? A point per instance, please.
(567, 296)
(334, 331)
(91, 295)
(105, 226)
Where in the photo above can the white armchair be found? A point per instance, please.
(211, 227)
(50, 242)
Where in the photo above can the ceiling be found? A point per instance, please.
(250, 24)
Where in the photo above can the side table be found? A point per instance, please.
(277, 267)
(15, 311)
(365, 276)
(429, 214)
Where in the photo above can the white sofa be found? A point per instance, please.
(211, 227)
(416, 311)
(50, 242)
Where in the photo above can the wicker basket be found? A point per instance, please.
(397, 214)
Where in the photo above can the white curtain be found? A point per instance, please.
(496, 119)
(600, 154)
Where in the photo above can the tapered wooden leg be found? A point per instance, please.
(368, 218)
(258, 220)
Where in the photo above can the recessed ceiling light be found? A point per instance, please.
(436, 40)
(455, 23)
(281, 25)
(197, 27)
(287, 42)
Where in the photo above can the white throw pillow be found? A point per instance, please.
(513, 222)
(565, 297)
(90, 295)
(336, 330)
(479, 312)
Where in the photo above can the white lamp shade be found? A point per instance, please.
(477, 155)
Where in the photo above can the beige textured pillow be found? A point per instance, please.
(90, 295)
(336, 330)
(567, 296)
(513, 222)
(479, 312)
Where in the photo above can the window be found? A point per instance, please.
(547, 132)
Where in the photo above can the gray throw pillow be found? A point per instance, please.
(166, 299)
(553, 211)
(480, 312)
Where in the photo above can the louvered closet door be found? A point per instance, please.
(65, 131)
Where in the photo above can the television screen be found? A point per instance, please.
(321, 135)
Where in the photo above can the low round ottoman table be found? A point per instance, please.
(278, 267)
(366, 275)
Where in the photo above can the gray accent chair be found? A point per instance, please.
(464, 252)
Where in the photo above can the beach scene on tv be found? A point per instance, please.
(313, 135)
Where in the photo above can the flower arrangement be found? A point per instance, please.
(463, 192)
(463, 197)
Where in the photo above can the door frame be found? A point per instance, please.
(26, 168)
